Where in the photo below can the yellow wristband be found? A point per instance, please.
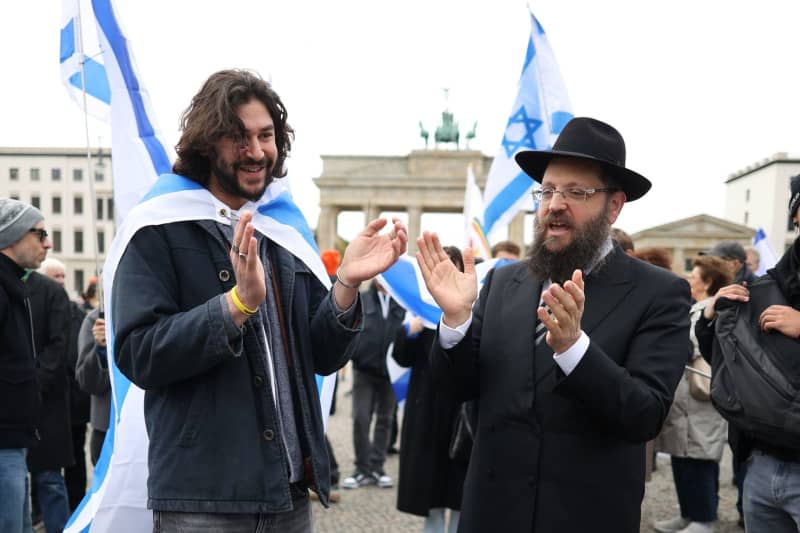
(239, 305)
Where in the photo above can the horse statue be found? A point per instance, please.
(471, 133)
(447, 132)
(423, 133)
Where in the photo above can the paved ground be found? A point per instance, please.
(371, 509)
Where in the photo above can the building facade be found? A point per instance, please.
(687, 237)
(57, 181)
(424, 181)
(758, 196)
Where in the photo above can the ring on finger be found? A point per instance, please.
(235, 248)
(242, 255)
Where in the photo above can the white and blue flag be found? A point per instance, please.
(90, 34)
(540, 112)
(404, 282)
(767, 257)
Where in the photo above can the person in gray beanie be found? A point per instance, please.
(23, 244)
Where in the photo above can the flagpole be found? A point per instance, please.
(90, 176)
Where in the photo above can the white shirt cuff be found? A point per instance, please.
(449, 337)
(569, 360)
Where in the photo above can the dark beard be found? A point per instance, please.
(579, 254)
(228, 182)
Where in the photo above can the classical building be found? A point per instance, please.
(422, 181)
(56, 181)
(758, 196)
(687, 237)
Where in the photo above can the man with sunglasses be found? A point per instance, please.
(23, 245)
(573, 356)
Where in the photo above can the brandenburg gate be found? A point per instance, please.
(424, 181)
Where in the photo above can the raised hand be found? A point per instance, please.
(453, 291)
(370, 253)
(247, 268)
(566, 304)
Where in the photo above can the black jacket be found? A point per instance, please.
(215, 444)
(785, 276)
(50, 310)
(20, 400)
(428, 478)
(556, 452)
(371, 347)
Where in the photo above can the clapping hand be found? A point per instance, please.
(370, 253)
(454, 291)
(563, 322)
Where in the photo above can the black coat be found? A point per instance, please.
(50, 310)
(428, 477)
(19, 392)
(370, 347)
(567, 453)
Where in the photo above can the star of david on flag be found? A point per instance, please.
(538, 115)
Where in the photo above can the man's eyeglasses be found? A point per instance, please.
(574, 194)
(42, 233)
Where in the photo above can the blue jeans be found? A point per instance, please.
(53, 502)
(298, 520)
(771, 495)
(15, 508)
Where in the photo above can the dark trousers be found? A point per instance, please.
(75, 475)
(371, 394)
(334, 465)
(395, 430)
(697, 485)
(96, 444)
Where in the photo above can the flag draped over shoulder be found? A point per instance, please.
(475, 237)
(767, 257)
(404, 282)
(117, 499)
(538, 115)
(91, 35)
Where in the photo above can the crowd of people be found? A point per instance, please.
(530, 405)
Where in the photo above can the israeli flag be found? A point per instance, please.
(404, 282)
(94, 50)
(540, 112)
(767, 257)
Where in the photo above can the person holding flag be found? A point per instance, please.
(224, 326)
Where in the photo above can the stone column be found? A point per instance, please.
(678, 260)
(414, 225)
(326, 227)
(371, 212)
(516, 230)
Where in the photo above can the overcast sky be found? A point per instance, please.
(699, 89)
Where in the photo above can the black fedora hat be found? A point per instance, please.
(591, 140)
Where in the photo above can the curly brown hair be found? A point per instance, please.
(212, 114)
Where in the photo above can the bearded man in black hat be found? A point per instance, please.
(573, 356)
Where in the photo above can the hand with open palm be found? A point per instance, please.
(454, 291)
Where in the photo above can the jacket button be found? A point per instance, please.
(268, 434)
(224, 275)
(258, 381)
